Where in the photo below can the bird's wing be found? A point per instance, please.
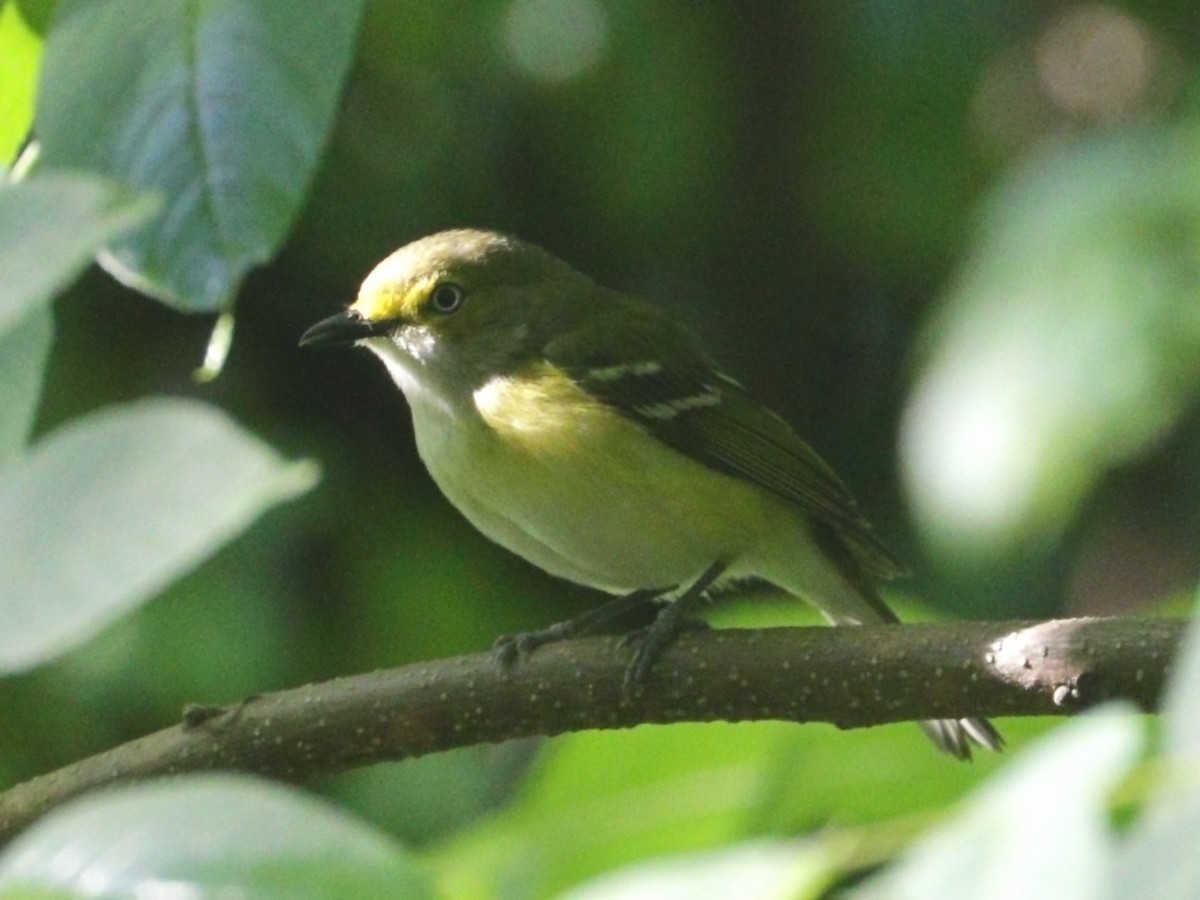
(669, 388)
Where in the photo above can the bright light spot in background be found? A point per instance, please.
(1090, 63)
(1096, 61)
(555, 40)
(970, 459)
(1033, 394)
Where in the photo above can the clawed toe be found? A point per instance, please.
(647, 645)
(505, 650)
(508, 648)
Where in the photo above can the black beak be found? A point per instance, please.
(344, 328)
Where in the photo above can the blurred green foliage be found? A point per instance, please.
(272, 843)
(18, 74)
(838, 197)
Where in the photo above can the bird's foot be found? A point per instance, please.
(509, 648)
(648, 644)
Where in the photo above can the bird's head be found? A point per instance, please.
(448, 311)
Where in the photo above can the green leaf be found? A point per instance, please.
(221, 105)
(764, 870)
(37, 14)
(1181, 705)
(209, 836)
(23, 353)
(104, 512)
(1158, 859)
(20, 51)
(1070, 344)
(1038, 830)
(50, 228)
(598, 801)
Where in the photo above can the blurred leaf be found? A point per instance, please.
(419, 800)
(1181, 705)
(1038, 830)
(208, 836)
(763, 870)
(105, 511)
(222, 105)
(23, 353)
(20, 51)
(601, 800)
(37, 14)
(50, 228)
(1158, 858)
(1070, 344)
(598, 801)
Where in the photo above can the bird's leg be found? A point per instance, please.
(673, 620)
(509, 648)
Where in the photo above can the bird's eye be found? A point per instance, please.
(446, 298)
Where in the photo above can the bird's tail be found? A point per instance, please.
(955, 736)
(836, 583)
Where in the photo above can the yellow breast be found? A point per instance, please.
(581, 491)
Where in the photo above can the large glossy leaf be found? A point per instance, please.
(222, 105)
(1039, 830)
(50, 228)
(104, 512)
(208, 836)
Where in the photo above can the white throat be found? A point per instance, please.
(412, 361)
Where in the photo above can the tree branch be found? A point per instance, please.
(851, 677)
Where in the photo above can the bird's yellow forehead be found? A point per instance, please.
(393, 291)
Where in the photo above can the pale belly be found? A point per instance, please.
(636, 515)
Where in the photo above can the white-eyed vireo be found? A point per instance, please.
(587, 431)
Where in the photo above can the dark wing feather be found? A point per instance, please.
(669, 388)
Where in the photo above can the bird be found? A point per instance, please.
(587, 431)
